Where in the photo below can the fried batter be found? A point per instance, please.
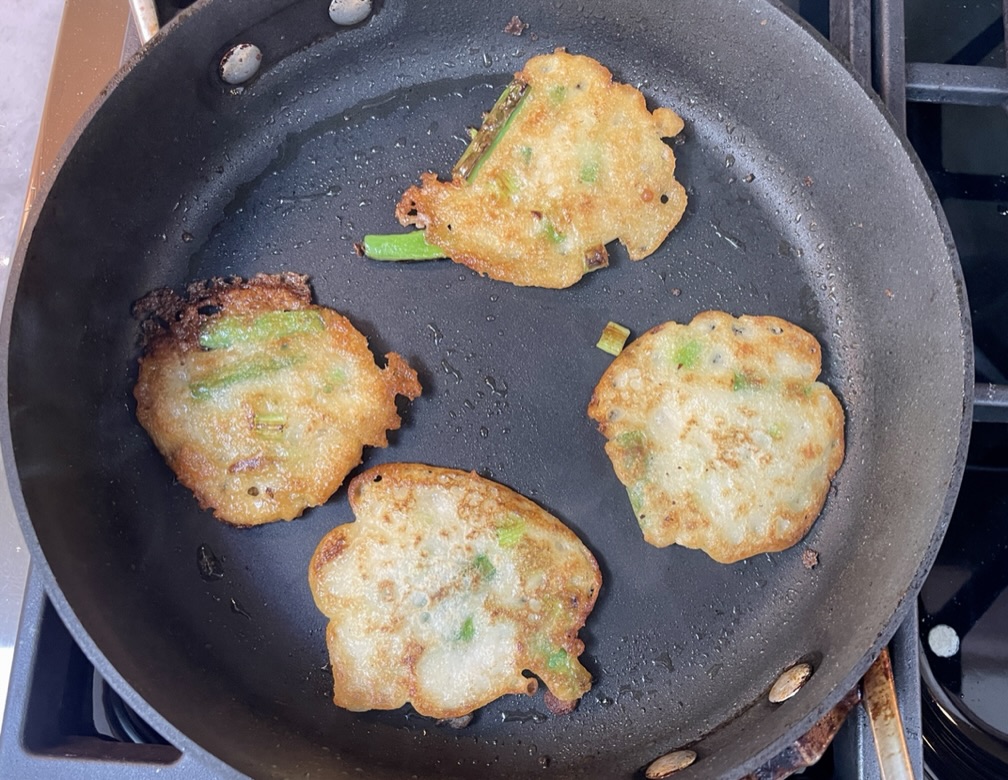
(445, 589)
(579, 163)
(260, 401)
(720, 433)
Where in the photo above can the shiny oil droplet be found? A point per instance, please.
(210, 566)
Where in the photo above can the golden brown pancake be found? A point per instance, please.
(580, 163)
(445, 589)
(260, 401)
(720, 433)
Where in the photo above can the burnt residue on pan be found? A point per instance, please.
(177, 177)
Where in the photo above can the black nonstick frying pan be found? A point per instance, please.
(804, 203)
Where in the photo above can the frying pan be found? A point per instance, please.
(804, 203)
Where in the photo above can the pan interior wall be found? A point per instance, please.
(286, 175)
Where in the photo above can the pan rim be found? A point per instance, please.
(902, 607)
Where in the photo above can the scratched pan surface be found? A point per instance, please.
(803, 204)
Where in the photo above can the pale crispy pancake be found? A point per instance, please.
(721, 434)
(581, 164)
(445, 589)
(261, 402)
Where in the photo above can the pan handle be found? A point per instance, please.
(878, 693)
(145, 18)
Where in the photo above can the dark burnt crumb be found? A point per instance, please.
(810, 558)
(596, 258)
(807, 181)
(534, 37)
(558, 706)
(676, 292)
(358, 248)
(515, 27)
(749, 178)
(888, 293)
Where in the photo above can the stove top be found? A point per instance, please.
(946, 82)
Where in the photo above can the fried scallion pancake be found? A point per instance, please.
(721, 434)
(260, 401)
(577, 162)
(445, 589)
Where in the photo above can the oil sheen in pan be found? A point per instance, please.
(508, 372)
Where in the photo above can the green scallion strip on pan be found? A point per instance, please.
(400, 246)
(614, 337)
(413, 245)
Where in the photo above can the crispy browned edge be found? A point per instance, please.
(800, 339)
(169, 320)
(164, 314)
(415, 204)
(335, 541)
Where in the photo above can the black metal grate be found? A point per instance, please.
(871, 34)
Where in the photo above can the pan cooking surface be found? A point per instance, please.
(313, 155)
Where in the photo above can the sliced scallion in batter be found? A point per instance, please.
(687, 354)
(742, 381)
(484, 568)
(243, 371)
(269, 420)
(510, 530)
(230, 330)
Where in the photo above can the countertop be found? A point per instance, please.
(28, 33)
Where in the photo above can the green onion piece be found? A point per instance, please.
(557, 93)
(595, 257)
(613, 338)
(494, 126)
(686, 355)
(551, 232)
(634, 453)
(401, 246)
(741, 381)
(274, 420)
(558, 660)
(636, 495)
(511, 530)
(242, 372)
(506, 183)
(631, 439)
(484, 567)
(468, 630)
(335, 377)
(269, 425)
(226, 331)
(526, 154)
(589, 171)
